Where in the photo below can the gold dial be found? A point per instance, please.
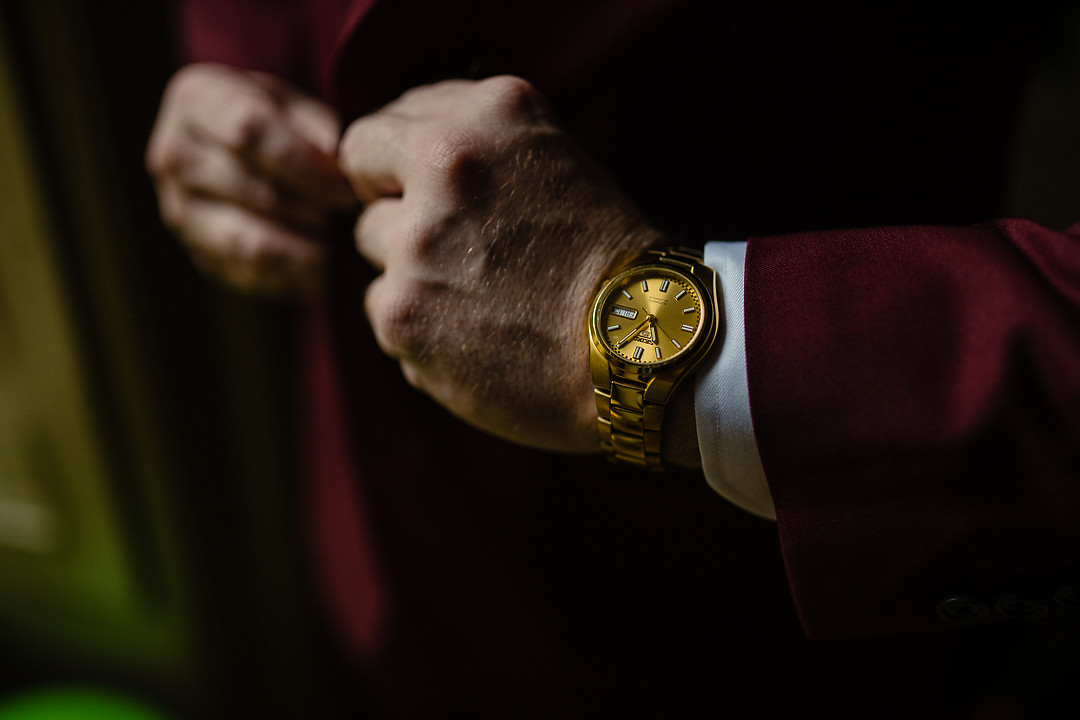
(649, 315)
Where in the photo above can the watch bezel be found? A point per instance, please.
(691, 352)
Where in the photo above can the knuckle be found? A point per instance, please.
(511, 96)
(426, 243)
(412, 375)
(422, 95)
(351, 141)
(191, 85)
(455, 153)
(193, 74)
(183, 82)
(412, 94)
(172, 208)
(396, 316)
(161, 157)
(246, 123)
(167, 152)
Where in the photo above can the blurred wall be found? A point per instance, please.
(150, 534)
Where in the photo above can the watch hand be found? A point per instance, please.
(662, 329)
(633, 332)
(652, 319)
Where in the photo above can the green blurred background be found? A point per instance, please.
(150, 538)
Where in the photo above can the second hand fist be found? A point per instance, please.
(246, 176)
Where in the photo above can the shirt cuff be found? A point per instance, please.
(729, 453)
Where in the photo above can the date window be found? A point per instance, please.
(624, 312)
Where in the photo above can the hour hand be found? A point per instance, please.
(632, 333)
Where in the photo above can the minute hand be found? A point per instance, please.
(661, 329)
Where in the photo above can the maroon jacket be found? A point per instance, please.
(915, 387)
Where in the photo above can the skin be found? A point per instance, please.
(246, 175)
(493, 232)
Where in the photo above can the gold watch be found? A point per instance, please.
(649, 326)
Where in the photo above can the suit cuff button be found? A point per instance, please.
(1069, 596)
(1020, 607)
(962, 609)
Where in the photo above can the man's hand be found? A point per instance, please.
(493, 232)
(246, 176)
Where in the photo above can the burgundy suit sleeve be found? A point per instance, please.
(263, 35)
(915, 393)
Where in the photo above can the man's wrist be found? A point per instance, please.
(651, 323)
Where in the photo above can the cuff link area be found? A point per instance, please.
(1068, 597)
(1021, 607)
(968, 609)
(962, 609)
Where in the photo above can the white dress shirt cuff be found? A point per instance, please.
(729, 454)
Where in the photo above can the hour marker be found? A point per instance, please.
(687, 311)
(675, 343)
(664, 285)
(657, 353)
(613, 327)
(628, 295)
(644, 286)
(638, 352)
(680, 294)
(688, 328)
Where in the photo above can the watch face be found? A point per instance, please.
(650, 316)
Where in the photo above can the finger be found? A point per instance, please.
(502, 98)
(171, 204)
(251, 125)
(413, 374)
(377, 228)
(312, 118)
(315, 120)
(250, 252)
(425, 101)
(219, 175)
(397, 316)
(374, 155)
